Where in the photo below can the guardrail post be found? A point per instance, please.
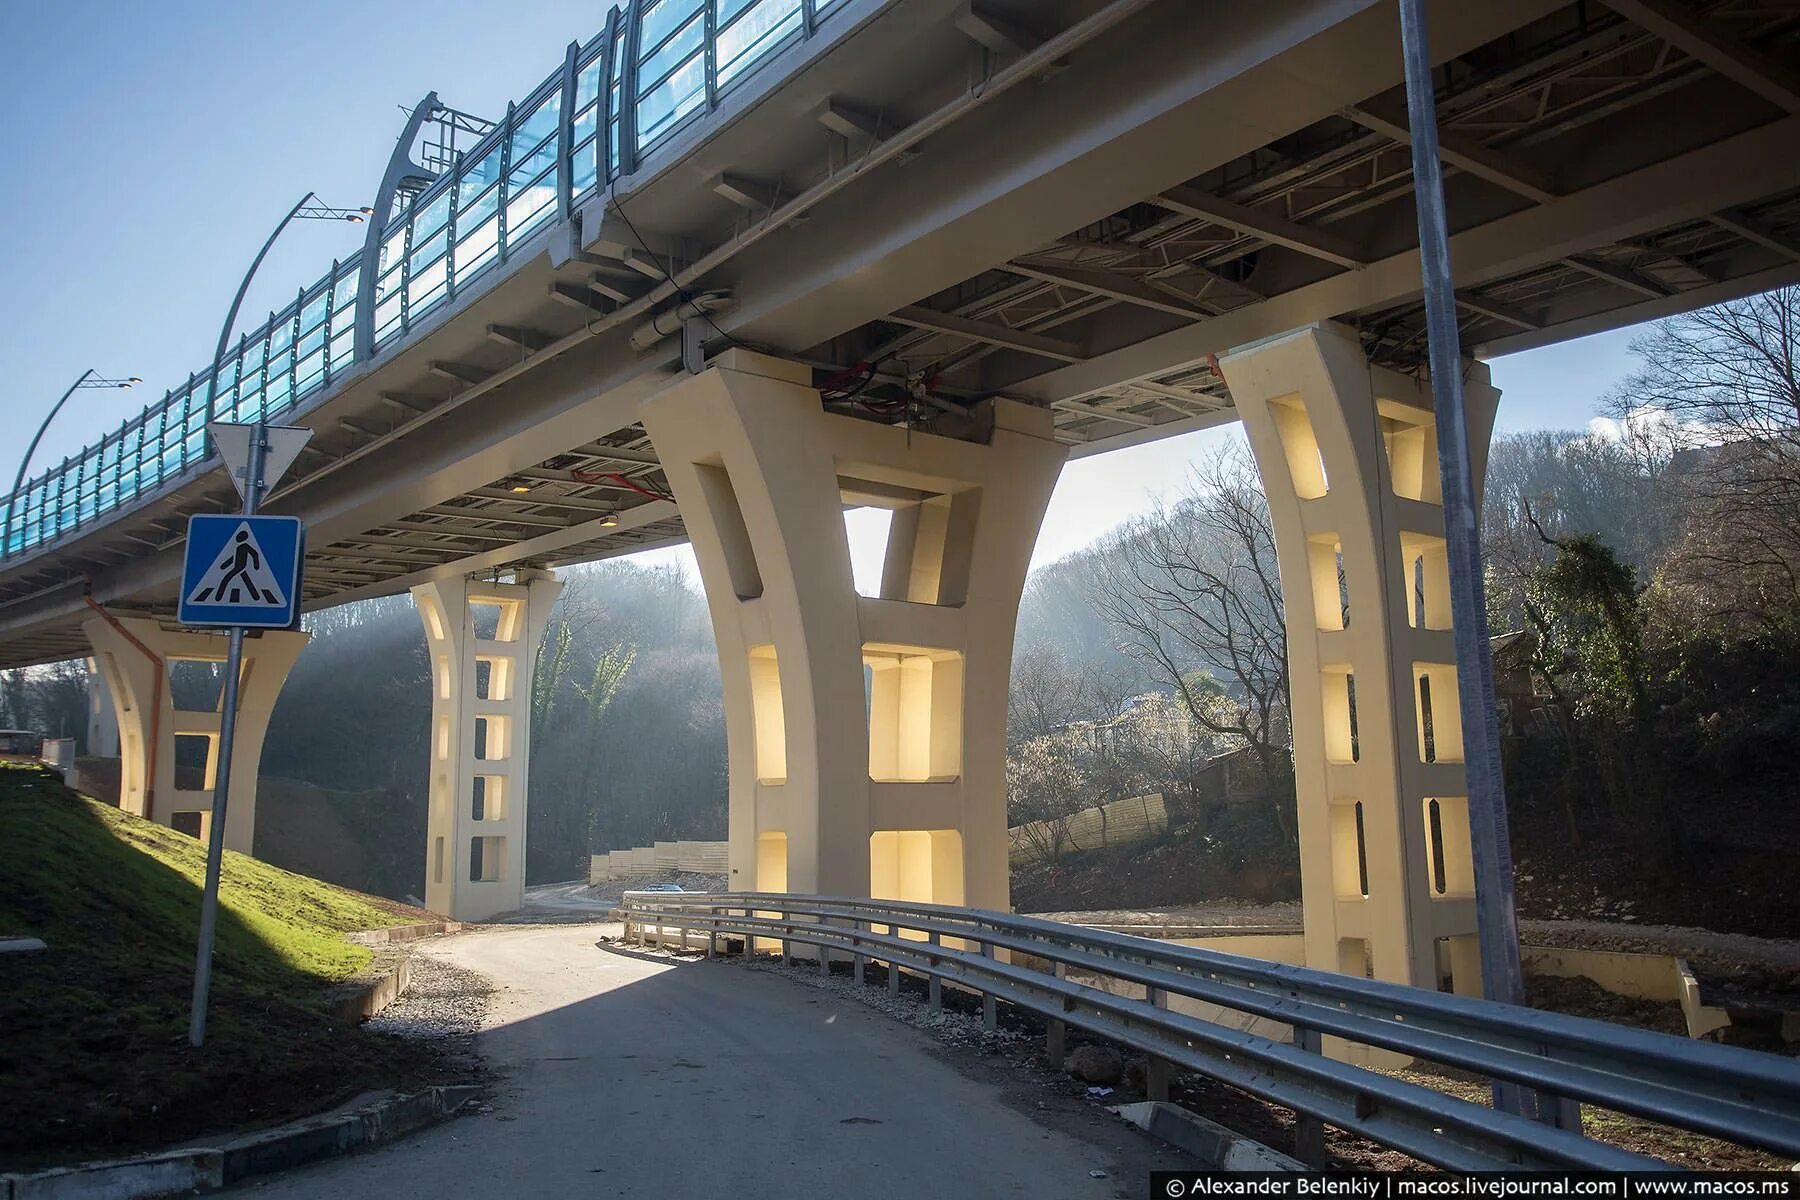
(712, 931)
(859, 962)
(1056, 1032)
(825, 960)
(1309, 1131)
(937, 982)
(1559, 1111)
(893, 971)
(1159, 1073)
(990, 1008)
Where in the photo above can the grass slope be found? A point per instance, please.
(93, 1033)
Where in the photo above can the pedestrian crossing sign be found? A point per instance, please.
(242, 571)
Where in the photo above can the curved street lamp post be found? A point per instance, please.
(88, 379)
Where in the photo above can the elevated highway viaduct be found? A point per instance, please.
(733, 267)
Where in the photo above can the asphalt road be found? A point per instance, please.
(621, 1077)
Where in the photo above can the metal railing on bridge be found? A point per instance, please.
(1120, 987)
(572, 135)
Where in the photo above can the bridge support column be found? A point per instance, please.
(102, 724)
(482, 641)
(135, 660)
(1348, 455)
(867, 735)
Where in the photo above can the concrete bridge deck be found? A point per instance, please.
(1076, 204)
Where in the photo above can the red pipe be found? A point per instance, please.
(156, 665)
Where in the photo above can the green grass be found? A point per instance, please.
(93, 1032)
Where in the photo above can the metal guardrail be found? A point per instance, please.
(1740, 1096)
(655, 68)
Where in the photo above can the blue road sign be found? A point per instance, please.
(242, 571)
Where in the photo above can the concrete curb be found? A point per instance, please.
(207, 1168)
(664, 958)
(392, 934)
(1213, 1144)
(371, 998)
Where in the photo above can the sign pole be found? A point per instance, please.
(1496, 919)
(215, 844)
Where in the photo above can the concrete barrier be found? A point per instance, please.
(690, 857)
(1120, 823)
(371, 997)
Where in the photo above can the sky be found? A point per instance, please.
(151, 147)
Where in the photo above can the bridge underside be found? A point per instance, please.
(1078, 207)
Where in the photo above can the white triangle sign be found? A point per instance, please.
(284, 445)
(239, 576)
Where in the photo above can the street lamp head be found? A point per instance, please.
(366, 211)
(355, 218)
(93, 380)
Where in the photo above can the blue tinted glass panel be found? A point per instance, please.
(583, 128)
(529, 209)
(311, 340)
(314, 311)
(672, 53)
(759, 31)
(587, 85)
(680, 95)
(663, 18)
(477, 248)
(431, 217)
(537, 125)
(393, 247)
(426, 286)
(310, 373)
(430, 249)
(586, 168)
(528, 166)
(343, 318)
(387, 318)
(477, 176)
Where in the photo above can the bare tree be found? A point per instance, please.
(1724, 384)
(1048, 693)
(1194, 586)
(1045, 787)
